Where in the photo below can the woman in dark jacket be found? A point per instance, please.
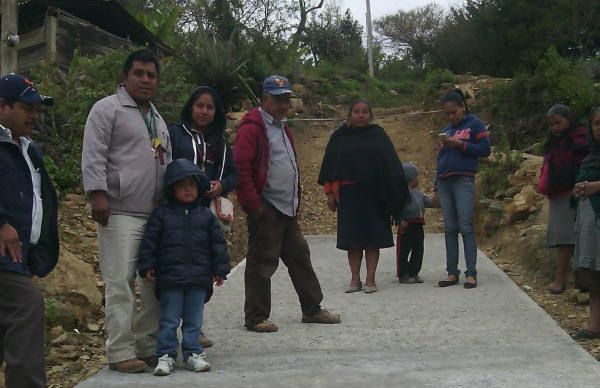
(364, 182)
(200, 137)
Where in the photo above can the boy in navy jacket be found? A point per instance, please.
(184, 251)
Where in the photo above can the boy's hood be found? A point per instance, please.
(180, 169)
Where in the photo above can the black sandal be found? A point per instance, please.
(585, 334)
(557, 291)
(470, 285)
(447, 283)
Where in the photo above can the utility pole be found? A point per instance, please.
(370, 40)
(9, 37)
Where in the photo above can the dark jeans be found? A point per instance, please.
(22, 331)
(177, 304)
(272, 235)
(410, 243)
(457, 197)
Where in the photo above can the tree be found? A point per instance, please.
(413, 33)
(333, 37)
(501, 37)
(304, 8)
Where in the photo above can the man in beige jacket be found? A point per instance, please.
(126, 149)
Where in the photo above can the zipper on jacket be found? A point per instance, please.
(187, 244)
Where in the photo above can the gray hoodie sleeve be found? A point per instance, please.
(96, 141)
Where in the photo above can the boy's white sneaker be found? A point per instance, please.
(165, 366)
(197, 363)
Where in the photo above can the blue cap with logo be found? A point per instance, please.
(19, 88)
(277, 85)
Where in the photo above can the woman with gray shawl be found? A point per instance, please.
(587, 240)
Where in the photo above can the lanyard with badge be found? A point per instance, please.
(151, 125)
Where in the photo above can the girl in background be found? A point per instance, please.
(566, 147)
(462, 143)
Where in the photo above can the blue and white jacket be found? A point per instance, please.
(16, 207)
(465, 160)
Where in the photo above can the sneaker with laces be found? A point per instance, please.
(165, 366)
(197, 363)
(322, 316)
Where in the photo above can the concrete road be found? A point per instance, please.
(402, 336)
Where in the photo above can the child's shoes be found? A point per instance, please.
(165, 366)
(197, 363)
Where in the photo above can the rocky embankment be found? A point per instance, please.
(511, 228)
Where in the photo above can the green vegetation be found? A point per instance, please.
(550, 49)
(520, 107)
(51, 311)
(494, 173)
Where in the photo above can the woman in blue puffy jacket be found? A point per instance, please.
(462, 143)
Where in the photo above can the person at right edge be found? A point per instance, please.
(462, 143)
(269, 192)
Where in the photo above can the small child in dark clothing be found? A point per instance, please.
(184, 250)
(410, 238)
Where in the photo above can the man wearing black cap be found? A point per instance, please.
(28, 233)
(269, 191)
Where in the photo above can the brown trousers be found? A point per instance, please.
(272, 235)
(22, 331)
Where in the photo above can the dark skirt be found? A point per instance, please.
(362, 221)
(587, 280)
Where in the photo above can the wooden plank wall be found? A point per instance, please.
(60, 36)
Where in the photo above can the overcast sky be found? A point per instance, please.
(380, 8)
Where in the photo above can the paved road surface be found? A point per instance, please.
(402, 336)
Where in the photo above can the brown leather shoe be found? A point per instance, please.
(128, 366)
(151, 361)
(263, 327)
(204, 341)
(324, 316)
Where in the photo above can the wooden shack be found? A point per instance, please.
(53, 29)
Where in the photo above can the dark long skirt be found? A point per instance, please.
(362, 221)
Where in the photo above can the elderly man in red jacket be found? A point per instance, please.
(269, 192)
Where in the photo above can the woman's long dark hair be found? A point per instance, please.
(458, 97)
(562, 111)
(216, 129)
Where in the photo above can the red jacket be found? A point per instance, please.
(562, 158)
(251, 156)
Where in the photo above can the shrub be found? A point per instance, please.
(434, 80)
(494, 174)
(520, 107)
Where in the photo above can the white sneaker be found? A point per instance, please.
(165, 366)
(197, 363)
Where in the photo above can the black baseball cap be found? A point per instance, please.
(19, 88)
